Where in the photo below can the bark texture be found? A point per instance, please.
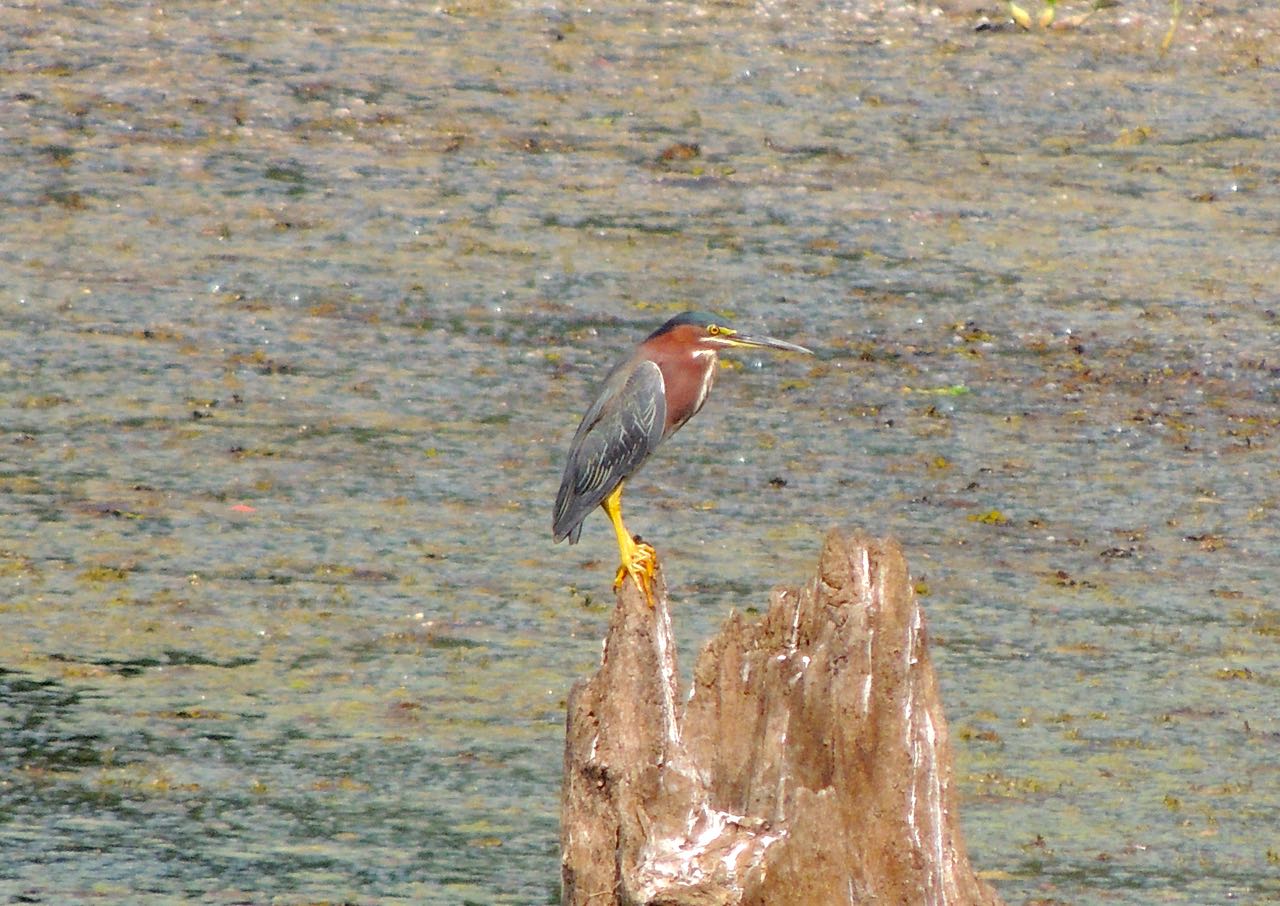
(810, 764)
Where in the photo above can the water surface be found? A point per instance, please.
(299, 307)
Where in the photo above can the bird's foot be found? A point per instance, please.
(640, 567)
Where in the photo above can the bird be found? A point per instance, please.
(646, 398)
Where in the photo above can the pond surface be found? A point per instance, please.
(299, 307)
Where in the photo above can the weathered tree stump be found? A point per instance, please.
(810, 765)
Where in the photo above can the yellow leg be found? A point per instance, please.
(638, 560)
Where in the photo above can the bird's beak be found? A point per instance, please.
(746, 342)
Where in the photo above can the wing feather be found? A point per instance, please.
(620, 430)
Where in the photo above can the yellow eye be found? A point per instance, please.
(714, 330)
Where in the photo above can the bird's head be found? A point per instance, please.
(700, 331)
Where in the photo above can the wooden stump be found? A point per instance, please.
(810, 765)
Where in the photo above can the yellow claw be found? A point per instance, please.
(639, 561)
(640, 568)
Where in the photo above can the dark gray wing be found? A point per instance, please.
(619, 431)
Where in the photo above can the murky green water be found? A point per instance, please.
(299, 307)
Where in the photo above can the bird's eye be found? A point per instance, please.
(714, 330)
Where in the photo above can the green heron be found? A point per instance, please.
(646, 398)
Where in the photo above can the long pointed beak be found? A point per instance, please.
(743, 340)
